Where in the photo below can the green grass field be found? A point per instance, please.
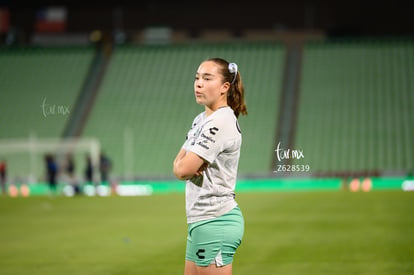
(331, 232)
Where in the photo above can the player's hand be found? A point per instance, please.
(201, 169)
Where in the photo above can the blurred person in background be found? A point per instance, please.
(89, 170)
(3, 177)
(51, 172)
(105, 166)
(70, 173)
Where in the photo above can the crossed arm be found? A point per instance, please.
(188, 165)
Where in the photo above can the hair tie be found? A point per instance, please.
(233, 70)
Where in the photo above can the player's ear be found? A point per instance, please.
(225, 88)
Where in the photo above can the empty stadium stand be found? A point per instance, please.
(38, 90)
(146, 104)
(354, 109)
(357, 107)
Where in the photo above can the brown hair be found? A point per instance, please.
(235, 95)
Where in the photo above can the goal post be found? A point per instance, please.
(25, 157)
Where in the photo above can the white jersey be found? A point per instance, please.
(217, 139)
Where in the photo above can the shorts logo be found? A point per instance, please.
(213, 130)
(199, 254)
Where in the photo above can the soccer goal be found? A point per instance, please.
(25, 158)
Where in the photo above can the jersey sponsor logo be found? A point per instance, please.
(199, 254)
(203, 145)
(208, 138)
(213, 130)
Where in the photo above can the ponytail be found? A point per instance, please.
(235, 94)
(235, 97)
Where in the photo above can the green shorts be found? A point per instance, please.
(215, 241)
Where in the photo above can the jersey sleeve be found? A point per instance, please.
(189, 138)
(186, 144)
(210, 142)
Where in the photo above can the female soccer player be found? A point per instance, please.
(208, 162)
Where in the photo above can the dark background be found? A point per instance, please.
(335, 18)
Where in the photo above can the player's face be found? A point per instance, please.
(208, 84)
